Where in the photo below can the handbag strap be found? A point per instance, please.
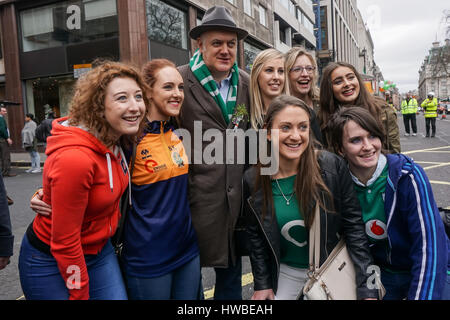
(314, 242)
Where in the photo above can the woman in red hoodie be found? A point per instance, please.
(68, 255)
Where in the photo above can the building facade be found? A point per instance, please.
(293, 24)
(434, 74)
(338, 32)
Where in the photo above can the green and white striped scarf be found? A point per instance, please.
(203, 75)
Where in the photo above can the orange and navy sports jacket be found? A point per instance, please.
(158, 235)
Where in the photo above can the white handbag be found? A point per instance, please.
(335, 279)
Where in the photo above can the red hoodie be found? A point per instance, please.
(84, 195)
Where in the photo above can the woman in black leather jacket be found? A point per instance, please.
(278, 222)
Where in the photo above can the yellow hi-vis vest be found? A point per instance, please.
(409, 108)
(430, 108)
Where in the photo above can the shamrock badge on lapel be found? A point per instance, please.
(240, 113)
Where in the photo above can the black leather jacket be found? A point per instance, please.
(264, 235)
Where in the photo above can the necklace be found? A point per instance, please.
(288, 201)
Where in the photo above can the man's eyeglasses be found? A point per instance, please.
(309, 69)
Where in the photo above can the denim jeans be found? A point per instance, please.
(41, 280)
(184, 283)
(35, 159)
(229, 282)
(396, 285)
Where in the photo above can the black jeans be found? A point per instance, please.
(432, 122)
(406, 119)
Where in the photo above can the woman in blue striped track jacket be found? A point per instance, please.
(405, 230)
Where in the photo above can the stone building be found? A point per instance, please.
(434, 74)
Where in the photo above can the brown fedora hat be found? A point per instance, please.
(217, 18)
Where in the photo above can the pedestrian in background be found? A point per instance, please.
(280, 208)
(267, 81)
(342, 85)
(43, 130)
(429, 106)
(6, 236)
(402, 221)
(68, 255)
(409, 111)
(301, 68)
(216, 96)
(29, 143)
(5, 142)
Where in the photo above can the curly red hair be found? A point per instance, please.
(87, 105)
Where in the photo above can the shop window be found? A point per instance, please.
(250, 53)
(66, 22)
(49, 94)
(166, 24)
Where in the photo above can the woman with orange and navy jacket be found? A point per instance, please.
(161, 256)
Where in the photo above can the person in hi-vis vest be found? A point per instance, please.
(409, 110)
(430, 108)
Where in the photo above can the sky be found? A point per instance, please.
(403, 32)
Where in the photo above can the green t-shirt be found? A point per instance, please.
(294, 236)
(371, 199)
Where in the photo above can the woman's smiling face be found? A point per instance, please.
(301, 80)
(345, 85)
(360, 148)
(271, 78)
(292, 124)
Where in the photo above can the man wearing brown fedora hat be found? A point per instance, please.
(214, 87)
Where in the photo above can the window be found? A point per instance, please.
(231, 1)
(67, 22)
(262, 16)
(250, 53)
(308, 24)
(291, 8)
(166, 24)
(49, 94)
(248, 7)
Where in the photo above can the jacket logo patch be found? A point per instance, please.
(145, 154)
(376, 229)
(176, 158)
(152, 166)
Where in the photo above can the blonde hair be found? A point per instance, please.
(290, 58)
(256, 104)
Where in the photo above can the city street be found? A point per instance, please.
(431, 153)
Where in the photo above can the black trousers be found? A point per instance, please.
(406, 119)
(5, 156)
(430, 122)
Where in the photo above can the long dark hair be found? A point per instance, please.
(309, 186)
(329, 104)
(360, 116)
